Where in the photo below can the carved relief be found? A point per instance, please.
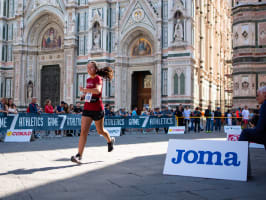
(244, 85)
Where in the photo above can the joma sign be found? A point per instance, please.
(207, 159)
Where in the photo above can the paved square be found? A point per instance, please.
(42, 170)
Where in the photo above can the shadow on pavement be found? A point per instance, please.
(31, 171)
(141, 178)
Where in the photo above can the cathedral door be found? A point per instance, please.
(141, 90)
(50, 84)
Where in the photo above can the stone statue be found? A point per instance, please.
(30, 90)
(178, 33)
(96, 40)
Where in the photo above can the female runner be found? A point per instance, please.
(93, 108)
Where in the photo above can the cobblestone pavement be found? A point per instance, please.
(42, 170)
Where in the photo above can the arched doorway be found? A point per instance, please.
(50, 84)
(138, 62)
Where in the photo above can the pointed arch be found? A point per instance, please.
(182, 84)
(176, 84)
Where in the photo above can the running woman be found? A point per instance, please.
(93, 108)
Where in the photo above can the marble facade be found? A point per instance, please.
(185, 45)
(249, 50)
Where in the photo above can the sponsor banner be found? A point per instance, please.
(114, 131)
(140, 122)
(18, 135)
(176, 130)
(235, 136)
(73, 121)
(207, 159)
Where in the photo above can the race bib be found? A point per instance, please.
(88, 97)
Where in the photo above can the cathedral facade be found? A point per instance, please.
(249, 47)
(162, 52)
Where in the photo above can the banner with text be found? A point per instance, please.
(73, 121)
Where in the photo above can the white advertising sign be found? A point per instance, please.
(232, 129)
(176, 130)
(18, 135)
(207, 159)
(114, 131)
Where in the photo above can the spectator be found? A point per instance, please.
(257, 134)
(217, 116)
(207, 114)
(107, 111)
(60, 108)
(112, 113)
(187, 114)
(245, 115)
(11, 107)
(229, 118)
(151, 112)
(157, 113)
(179, 115)
(197, 115)
(145, 112)
(212, 120)
(78, 109)
(33, 108)
(255, 119)
(166, 112)
(134, 112)
(66, 108)
(48, 108)
(3, 109)
(225, 118)
(3, 106)
(239, 116)
(71, 108)
(123, 113)
(181, 107)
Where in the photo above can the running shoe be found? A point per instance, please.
(111, 144)
(76, 159)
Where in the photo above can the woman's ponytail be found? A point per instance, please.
(106, 72)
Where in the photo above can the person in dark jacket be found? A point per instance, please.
(217, 117)
(208, 114)
(179, 115)
(33, 106)
(257, 134)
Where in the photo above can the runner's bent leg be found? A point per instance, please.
(101, 131)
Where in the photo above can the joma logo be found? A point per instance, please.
(206, 157)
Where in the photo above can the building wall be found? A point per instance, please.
(189, 41)
(249, 50)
